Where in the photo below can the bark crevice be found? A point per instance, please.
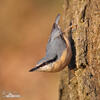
(81, 81)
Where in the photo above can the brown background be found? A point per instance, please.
(24, 30)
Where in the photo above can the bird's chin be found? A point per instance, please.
(51, 68)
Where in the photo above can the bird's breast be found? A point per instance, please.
(59, 64)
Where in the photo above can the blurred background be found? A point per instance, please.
(25, 26)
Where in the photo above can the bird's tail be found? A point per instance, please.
(57, 19)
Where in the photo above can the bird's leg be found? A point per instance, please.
(72, 26)
(68, 76)
(70, 73)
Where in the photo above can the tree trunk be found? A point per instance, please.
(81, 81)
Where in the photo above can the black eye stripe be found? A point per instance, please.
(49, 61)
(45, 63)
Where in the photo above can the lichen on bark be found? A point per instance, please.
(81, 81)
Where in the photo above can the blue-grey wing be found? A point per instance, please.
(56, 47)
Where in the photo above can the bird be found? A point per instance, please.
(58, 51)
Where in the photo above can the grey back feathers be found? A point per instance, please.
(56, 43)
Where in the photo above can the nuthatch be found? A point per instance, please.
(58, 51)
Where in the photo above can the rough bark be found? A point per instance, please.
(84, 82)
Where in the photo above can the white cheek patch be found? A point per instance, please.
(46, 67)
